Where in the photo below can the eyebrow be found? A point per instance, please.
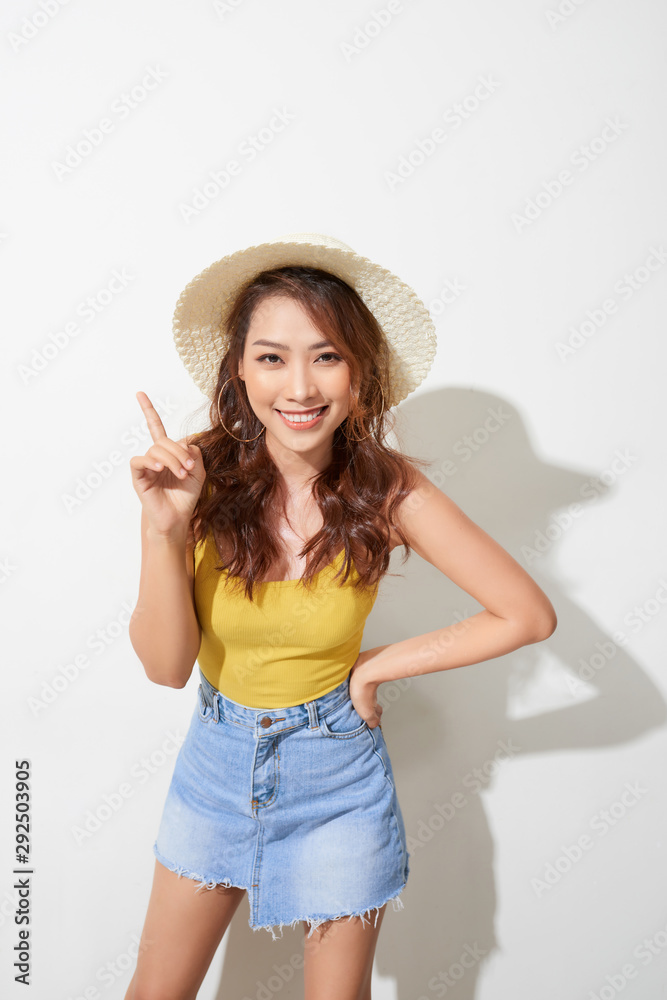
(284, 347)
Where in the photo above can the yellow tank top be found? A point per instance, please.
(289, 644)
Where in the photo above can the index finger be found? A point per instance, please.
(155, 425)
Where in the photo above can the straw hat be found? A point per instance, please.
(199, 322)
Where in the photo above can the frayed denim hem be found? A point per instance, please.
(315, 922)
(205, 883)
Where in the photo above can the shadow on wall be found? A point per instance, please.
(483, 459)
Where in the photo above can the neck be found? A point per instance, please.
(298, 469)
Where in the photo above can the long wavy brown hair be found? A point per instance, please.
(366, 480)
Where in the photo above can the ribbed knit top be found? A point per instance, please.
(289, 644)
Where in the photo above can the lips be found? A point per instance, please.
(299, 413)
(303, 418)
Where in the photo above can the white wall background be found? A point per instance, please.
(571, 86)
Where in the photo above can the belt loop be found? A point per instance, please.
(312, 715)
(216, 708)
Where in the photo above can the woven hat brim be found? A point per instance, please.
(200, 316)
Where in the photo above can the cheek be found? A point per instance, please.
(260, 385)
(340, 384)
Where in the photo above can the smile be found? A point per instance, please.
(303, 421)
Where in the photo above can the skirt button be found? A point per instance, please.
(266, 722)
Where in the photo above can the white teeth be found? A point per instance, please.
(297, 418)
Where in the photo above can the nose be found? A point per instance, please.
(300, 383)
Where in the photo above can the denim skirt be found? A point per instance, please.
(297, 805)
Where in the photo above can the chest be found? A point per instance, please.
(292, 535)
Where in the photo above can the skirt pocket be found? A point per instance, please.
(204, 710)
(343, 722)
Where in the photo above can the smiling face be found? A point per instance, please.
(291, 373)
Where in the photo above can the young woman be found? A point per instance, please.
(264, 539)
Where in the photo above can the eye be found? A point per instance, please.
(327, 354)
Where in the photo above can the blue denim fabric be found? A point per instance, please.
(297, 805)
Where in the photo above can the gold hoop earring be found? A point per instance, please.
(379, 415)
(220, 417)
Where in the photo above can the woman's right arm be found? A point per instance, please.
(164, 630)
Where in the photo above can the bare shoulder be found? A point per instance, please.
(408, 504)
(427, 514)
(442, 533)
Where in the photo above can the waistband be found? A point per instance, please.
(269, 721)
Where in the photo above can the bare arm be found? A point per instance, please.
(516, 611)
(164, 629)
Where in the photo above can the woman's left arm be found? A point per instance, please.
(516, 612)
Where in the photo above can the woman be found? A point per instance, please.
(263, 545)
